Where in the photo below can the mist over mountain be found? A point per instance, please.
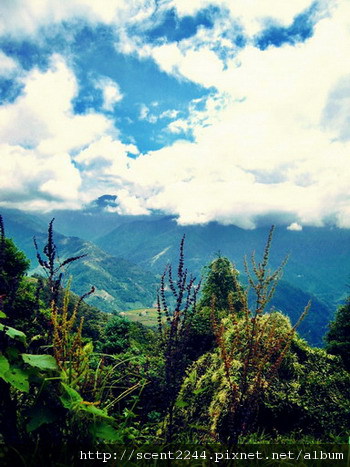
(96, 218)
(124, 263)
(318, 257)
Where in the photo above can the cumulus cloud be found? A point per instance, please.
(110, 92)
(270, 138)
(19, 18)
(30, 180)
(277, 145)
(40, 132)
(252, 14)
(295, 226)
(42, 116)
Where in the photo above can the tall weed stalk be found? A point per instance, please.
(255, 342)
(176, 304)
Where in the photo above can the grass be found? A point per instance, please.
(145, 316)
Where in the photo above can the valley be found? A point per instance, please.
(124, 264)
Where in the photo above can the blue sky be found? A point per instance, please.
(208, 110)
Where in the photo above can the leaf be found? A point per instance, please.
(71, 398)
(128, 413)
(13, 333)
(2, 314)
(198, 427)
(17, 377)
(4, 365)
(105, 431)
(44, 362)
(95, 411)
(39, 416)
(181, 404)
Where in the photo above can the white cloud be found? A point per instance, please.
(42, 116)
(34, 181)
(22, 17)
(146, 114)
(275, 142)
(129, 204)
(144, 111)
(251, 13)
(110, 91)
(8, 66)
(272, 139)
(295, 226)
(40, 133)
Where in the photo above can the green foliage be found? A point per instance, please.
(221, 281)
(252, 346)
(338, 336)
(13, 266)
(15, 293)
(43, 362)
(15, 376)
(310, 395)
(56, 385)
(116, 336)
(220, 371)
(174, 324)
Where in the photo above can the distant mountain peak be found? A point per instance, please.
(102, 202)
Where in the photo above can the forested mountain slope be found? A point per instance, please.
(318, 257)
(123, 284)
(119, 284)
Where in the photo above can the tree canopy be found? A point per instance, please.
(221, 282)
(338, 336)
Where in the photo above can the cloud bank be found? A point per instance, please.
(271, 137)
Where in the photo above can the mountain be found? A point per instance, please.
(292, 301)
(94, 220)
(318, 257)
(119, 283)
(150, 243)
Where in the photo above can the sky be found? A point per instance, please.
(236, 111)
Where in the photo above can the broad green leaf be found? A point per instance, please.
(38, 416)
(95, 411)
(4, 365)
(13, 333)
(105, 431)
(71, 398)
(88, 348)
(72, 393)
(44, 362)
(2, 314)
(18, 378)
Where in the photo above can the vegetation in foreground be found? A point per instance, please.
(214, 369)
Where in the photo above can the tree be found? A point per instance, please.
(17, 293)
(251, 348)
(13, 267)
(222, 282)
(116, 335)
(338, 336)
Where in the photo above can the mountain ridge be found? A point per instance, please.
(148, 244)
